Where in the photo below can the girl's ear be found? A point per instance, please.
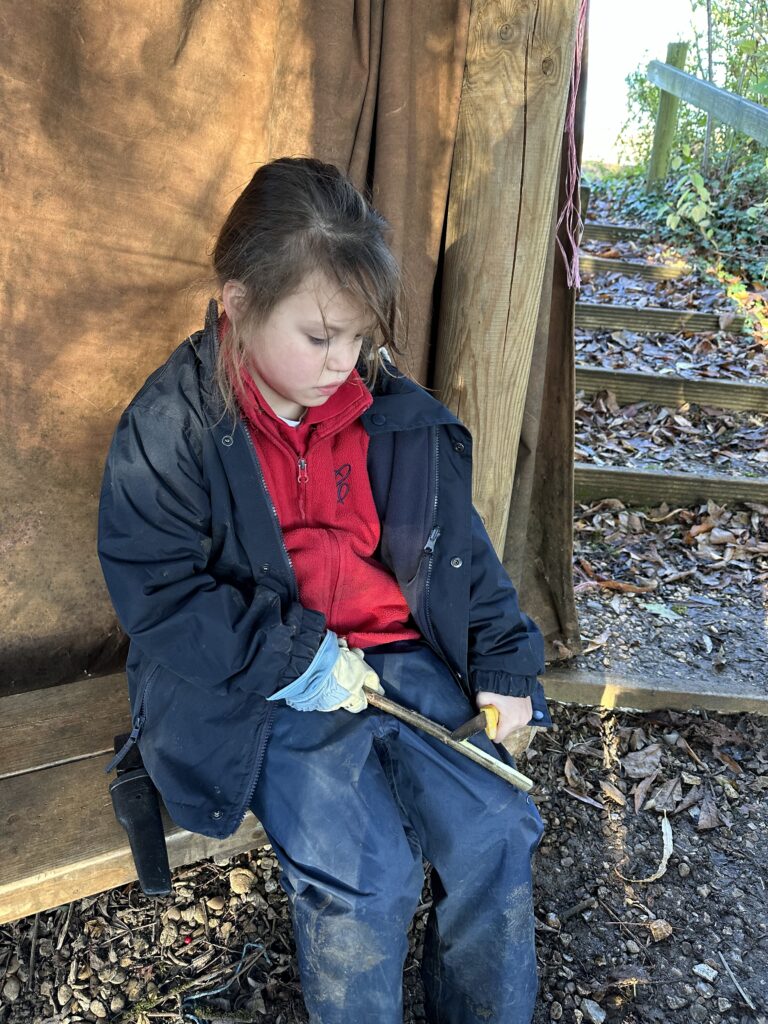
(233, 295)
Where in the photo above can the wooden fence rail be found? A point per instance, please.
(745, 116)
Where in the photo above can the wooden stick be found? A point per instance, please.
(469, 750)
(743, 994)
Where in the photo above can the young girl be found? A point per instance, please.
(285, 518)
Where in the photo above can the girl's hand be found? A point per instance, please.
(514, 712)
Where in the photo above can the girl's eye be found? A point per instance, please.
(319, 341)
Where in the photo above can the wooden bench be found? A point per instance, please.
(59, 839)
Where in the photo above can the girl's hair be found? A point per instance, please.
(295, 217)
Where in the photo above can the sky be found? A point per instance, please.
(623, 34)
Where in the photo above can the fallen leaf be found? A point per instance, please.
(683, 744)
(613, 793)
(572, 775)
(641, 763)
(594, 643)
(708, 816)
(727, 759)
(666, 833)
(584, 799)
(663, 612)
(640, 791)
(667, 797)
(718, 536)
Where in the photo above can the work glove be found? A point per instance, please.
(333, 681)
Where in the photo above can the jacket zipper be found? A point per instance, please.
(137, 725)
(429, 548)
(267, 729)
(261, 751)
(303, 479)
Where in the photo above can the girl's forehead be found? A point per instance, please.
(322, 300)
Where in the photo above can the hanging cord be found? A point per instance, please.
(570, 215)
(187, 1012)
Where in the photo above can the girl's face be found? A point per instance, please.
(295, 364)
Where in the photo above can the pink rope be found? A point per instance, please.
(570, 215)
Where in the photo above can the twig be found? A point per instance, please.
(586, 904)
(33, 951)
(620, 923)
(65, 928)
(743, 994)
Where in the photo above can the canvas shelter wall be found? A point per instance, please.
(127, 132)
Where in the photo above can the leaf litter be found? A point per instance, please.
(685, 439)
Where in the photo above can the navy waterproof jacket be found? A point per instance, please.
(195, 564)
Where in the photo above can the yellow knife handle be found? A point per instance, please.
(492, 716)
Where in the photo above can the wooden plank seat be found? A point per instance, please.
(59, 839)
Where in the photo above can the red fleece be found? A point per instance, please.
(317, 477)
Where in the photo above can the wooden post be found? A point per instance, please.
(666, 122)
(503, 185)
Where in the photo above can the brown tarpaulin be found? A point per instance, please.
(127, 132)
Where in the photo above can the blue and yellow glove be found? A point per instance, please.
(334, 680)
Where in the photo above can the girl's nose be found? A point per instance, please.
(343, 359)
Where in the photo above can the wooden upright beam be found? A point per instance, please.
(745, 116)
(666, 121)
(503, 185)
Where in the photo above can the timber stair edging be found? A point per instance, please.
(612, 688)
(606, 316)
(670, 389)
(633, 268)
(597, 231)
(650, 487)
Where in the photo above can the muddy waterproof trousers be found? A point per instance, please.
(351, 805)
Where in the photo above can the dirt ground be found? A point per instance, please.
(614, 942)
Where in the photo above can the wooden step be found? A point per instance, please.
(59, 839)
(611, 316)
(669, 390)
(594, 232)
(633, 268)
(612, 688)
(651, 487)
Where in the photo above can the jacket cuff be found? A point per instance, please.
(502, 683)
(308, 629)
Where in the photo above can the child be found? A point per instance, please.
(285, 518)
